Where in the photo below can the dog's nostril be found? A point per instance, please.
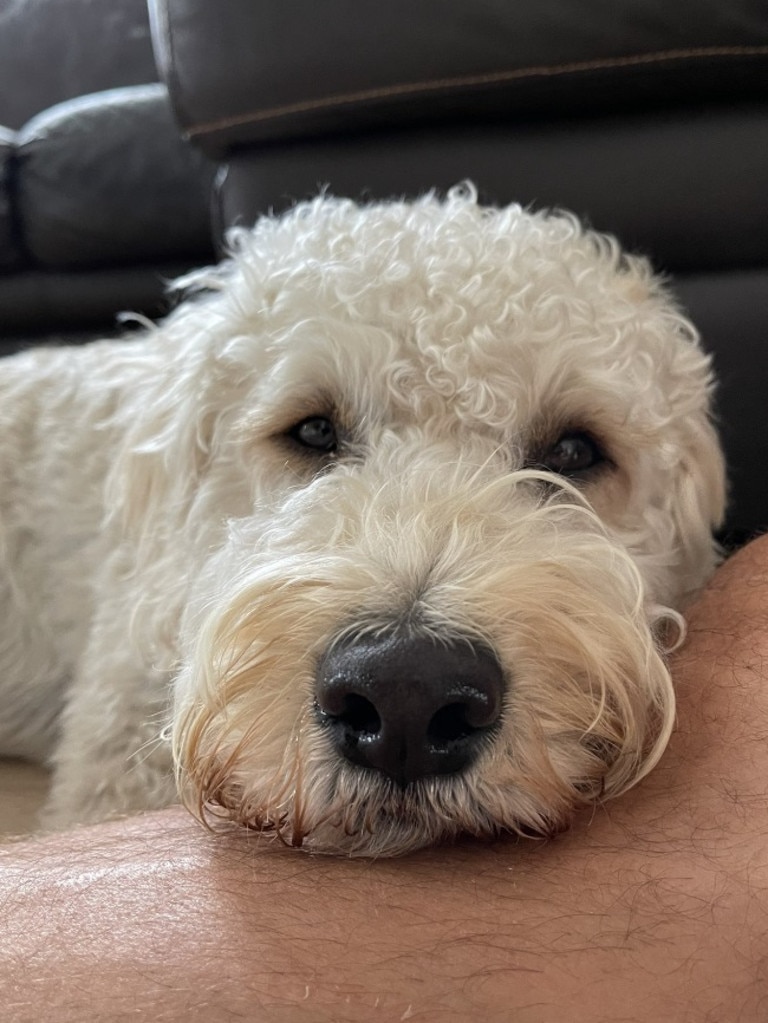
(359, 715)
(449, 724)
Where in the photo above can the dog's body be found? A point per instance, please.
(385, 523)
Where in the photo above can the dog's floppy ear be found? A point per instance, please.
(168, 422)
(187, 379)
(698, 501)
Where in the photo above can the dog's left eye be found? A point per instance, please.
(316, 433)
(573, 454)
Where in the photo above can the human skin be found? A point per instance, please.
(652, 908)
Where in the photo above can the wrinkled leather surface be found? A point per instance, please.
(241, 71)
(105, 179)
(98, 182)
(53, 50)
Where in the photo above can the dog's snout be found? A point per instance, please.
(409, 706)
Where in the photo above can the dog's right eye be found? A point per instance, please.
(317, 433)
(573, 455)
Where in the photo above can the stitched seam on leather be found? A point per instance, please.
(488, 78)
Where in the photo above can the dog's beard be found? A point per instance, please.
(588, 711)
(361, 813)
(316, 802)
(567, 741)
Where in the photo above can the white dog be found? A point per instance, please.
(382, 533)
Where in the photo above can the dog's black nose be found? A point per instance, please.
(410, 706)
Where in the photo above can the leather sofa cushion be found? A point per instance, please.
(54, 50)
(105, 179)
(272, 70)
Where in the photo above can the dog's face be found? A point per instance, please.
(453, 471)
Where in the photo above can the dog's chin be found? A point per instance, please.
(369, 816)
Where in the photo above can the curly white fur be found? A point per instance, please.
(169, 558)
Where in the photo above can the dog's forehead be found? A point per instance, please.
(447, 306)
(470, 320)
(447, 262)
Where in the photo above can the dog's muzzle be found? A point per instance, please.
(410, 706)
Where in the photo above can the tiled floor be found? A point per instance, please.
(22, 791)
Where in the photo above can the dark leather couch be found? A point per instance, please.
(100, 200)
(649, 118)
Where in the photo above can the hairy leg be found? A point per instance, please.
(654, 908)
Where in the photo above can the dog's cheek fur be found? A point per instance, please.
(697, 504)
(663, 506)
(688, 451)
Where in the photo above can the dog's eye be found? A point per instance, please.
(573, 454)
(316, 433)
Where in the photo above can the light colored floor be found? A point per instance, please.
(22, 790)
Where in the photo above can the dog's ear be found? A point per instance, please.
(176, 389)
(167, 422)
(698, 501)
